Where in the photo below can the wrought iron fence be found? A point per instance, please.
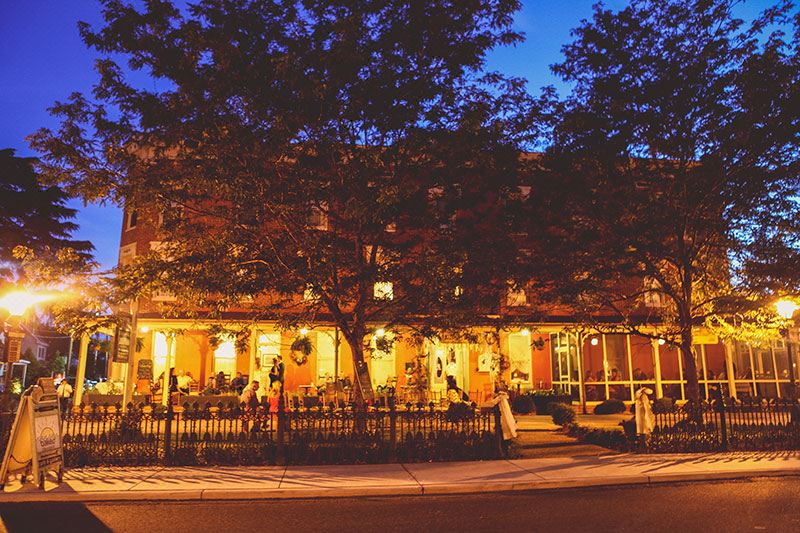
(230, 434)
(714, 426)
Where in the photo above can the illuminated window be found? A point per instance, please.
(326, 355)
(310, 295)
(520, 357)
(383, 290)
(516, 297)
(160, 349)
(225, 356)
(382, 364)
(318, 217)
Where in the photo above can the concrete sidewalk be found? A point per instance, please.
(249, 483)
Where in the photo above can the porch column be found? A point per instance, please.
(170, 335)
(657, 368)
(251, 373)
(581, 385)
(80, 374)
(729, 373)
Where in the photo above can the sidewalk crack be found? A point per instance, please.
(157, 471)
(421, 487)
(283, 475)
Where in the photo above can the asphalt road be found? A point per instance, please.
(754, 505)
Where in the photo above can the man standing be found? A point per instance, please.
(281, 371)
(64, 393)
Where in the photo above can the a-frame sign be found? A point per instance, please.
(34, 446)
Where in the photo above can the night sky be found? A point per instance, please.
(42, 59)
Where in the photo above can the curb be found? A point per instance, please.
(385, 491)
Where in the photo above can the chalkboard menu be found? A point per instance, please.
(122, 341)
(144, 370)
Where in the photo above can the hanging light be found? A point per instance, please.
(380, 332)
(595, 341)
(144, 329)
(525, 332)
(661, 342)
(303, 332)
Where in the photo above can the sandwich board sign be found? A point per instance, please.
(35, 444)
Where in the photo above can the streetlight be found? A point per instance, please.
(786, 309)
(16, 303)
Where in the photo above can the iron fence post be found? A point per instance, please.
(723, 424)
(280, 451)
(498, 431)
(168, 433)
(392, 432)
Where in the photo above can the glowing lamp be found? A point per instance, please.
(661, 342)
(303, 332)
(786, 308)
(594, 341)
(17, 302)
(380, 332)
(144, 329)
(525, 332)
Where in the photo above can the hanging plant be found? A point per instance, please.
(384, 344)
(300, 350)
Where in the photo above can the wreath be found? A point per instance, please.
(300, 350)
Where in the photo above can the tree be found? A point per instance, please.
(670, 162)
(287, 141)
(33, 218)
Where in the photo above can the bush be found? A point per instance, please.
(563, 415)
(459, 411)
(610, 407)
(663, 405)
(522, 404)
(543, 399)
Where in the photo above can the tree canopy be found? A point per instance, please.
(33, 218)
(304, 147)
(673, 161)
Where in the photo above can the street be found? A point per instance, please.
(767, 504)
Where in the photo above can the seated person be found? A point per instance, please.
(184, 381)
(238, 383)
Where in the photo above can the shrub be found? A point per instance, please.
(563, 415)
(522, 404)
(610, 407)
(459, 411)
(543, 399)
(663, 405)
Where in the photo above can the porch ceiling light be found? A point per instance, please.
(18, 302)
(661, 342)
(525, 332)
(380, 332)
(786, 308)
(594, 341)
(303, 332)
(144, 329)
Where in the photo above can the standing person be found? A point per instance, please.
(281, 371)
(451, 371)
(273, 373)
(250, 400)
(64, 393)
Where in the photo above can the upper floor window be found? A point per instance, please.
(133, 219)
(516, 297)
(41, 353)
(318, 216)
(383, 290)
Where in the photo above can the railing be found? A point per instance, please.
(717, 425)
(231, 434)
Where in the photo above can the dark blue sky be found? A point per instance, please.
(42, 59)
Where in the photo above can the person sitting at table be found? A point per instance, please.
(220, 384)
(238, 383)
(184, 381)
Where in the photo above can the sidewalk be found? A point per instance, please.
(249, 483)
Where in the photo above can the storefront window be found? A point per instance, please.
(668, 355)
(642, 359)
(762, 362)
(326, 356)
(715, 362)
(593, 374)
(781, 360)
(519, 354)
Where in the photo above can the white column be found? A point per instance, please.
(80, 374)
(167, 366)
(729, 369)
(657, 368)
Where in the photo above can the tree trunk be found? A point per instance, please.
(692, 388)
(362, 384)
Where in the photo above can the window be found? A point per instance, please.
(383, 290)
(326, 355)
(520, 357)
(318, 216)
(642, 358)
(382, 365)
(516, 297)
(133, 218)
(652, 295)
(269, 347)
(225, 356)
(41, 353)
(309, 294)
(126, 254)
